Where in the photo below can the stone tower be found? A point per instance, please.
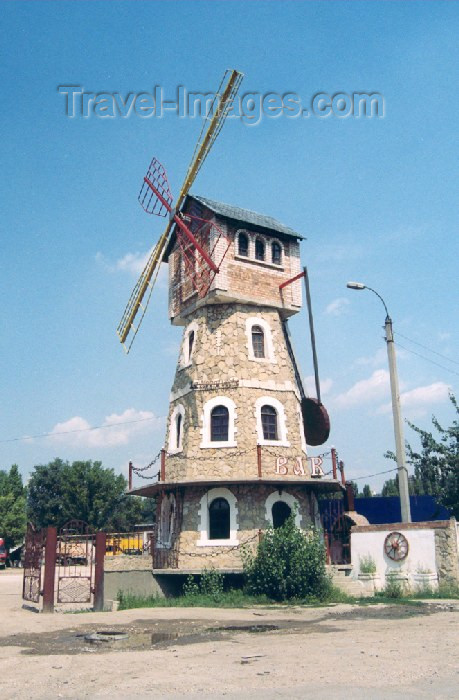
(235, 453)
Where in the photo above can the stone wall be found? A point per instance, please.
(221, 358)
(251, 516)
(446, 553)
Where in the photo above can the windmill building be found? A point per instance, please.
(235, 459)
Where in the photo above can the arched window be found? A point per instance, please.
(177, 419)
(276, 251)
(259, 249)
(219, 422)
(280, 512)
(178, 430)
(243, 244)
(269, 422)
(190, 344)
(258, 341)
(219, 519)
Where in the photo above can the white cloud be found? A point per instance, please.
(373, 388)
(133, 263)
(378, 358)
(337, 307)
(77, 431)
(417, 401)
(310, 385)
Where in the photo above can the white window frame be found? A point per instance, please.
(206, 442)
(173, 448)
(281, 421)
(203, 514)
(186, 359)
(269, 345)
(287, 498)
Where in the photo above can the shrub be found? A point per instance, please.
(289, 563)
(210, 584)
(393, 587)
(367, 565)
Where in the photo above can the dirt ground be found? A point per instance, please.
(339, 651)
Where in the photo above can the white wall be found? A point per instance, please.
(421, 553)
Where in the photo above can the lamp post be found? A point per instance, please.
(396, 412)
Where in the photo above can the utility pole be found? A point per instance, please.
(398, 425)
(396, 411)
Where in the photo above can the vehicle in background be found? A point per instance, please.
(3, 553)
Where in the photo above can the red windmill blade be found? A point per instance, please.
(199, 239)
(149, 201)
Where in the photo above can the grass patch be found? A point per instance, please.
(228, 599)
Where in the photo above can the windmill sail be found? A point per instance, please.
(209, 132)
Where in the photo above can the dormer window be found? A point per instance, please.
(243, 244)
(259, 249)
(276, 253)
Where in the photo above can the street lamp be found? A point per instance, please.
(396, 412)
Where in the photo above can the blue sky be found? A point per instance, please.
(376, 199)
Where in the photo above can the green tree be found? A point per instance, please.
(436, 464)
(289, 563)
(12, 507)
(60, 491)
(367, 493)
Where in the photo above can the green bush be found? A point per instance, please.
(393, 587)
(289, 563)
(209, 584)
(367, 565)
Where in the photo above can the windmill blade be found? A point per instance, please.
(211, 128)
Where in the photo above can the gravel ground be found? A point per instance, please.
(343, 651)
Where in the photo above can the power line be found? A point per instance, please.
(426, 348)
(418, 354)
(80, 430)
(369, 476)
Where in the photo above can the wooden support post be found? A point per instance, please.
(334, 466)
(162, 475)
(101, 545)
(130, 477)
(259, 460)
(349, 502)
(341, 468)
(50, 569)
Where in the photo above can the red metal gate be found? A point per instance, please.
(75, 559)
(33, 560)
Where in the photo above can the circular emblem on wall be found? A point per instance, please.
(396, 546)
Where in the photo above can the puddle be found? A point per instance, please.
(254, 629)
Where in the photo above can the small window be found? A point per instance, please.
(219, 519)
(178, 430)
(259, 249)
(243, 244)
(190, 344)
(258, 341)
(219, 421)
(269, 422)
(281, 511)
(276, 253)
